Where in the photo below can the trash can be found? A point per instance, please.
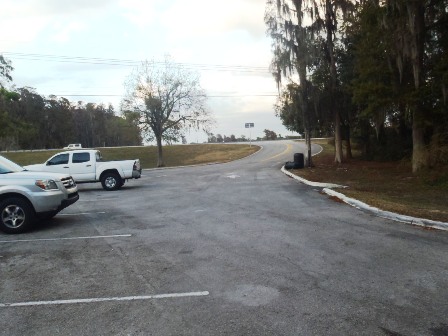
(299, 160)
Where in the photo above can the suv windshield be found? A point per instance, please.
(7, 166)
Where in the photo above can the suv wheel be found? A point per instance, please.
(16, 215)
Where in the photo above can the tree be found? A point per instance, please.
(211, 138)
(59, 126)
(29, 120)
(168, 99)
(8, 127)
(291, 52)
(330, 23)
(401, 72)
(304, 31)
(270, 135)
(289, 109)
(382, 75)
(406, 19)
(5, 70)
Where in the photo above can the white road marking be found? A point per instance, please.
(233, 176)
(199, 210)
(69, 238)
(93, 300)
(82, 213)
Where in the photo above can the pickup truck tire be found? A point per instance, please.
(16, 215)
(111, 181)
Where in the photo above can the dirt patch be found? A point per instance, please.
(389, 186)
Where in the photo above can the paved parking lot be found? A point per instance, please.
(235, 249)
(87, 259)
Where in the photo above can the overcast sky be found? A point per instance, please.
(85, 49)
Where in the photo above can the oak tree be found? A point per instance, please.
(168, 98)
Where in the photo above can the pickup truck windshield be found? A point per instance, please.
(7, 166)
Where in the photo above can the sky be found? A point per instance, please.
(85, 50)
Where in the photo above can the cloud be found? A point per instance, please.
(64, 31)
(19, 20)
(67, 7)
(139, 12)
(200, 18)
(29, 19)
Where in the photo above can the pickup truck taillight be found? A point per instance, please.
(136, 165)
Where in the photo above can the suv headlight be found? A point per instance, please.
(47, 184)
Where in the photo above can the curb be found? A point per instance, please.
(426, 223)
(310, 183)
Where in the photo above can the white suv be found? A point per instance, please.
(26, 196)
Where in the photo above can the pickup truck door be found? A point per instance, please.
(58, 164)
(82, 166)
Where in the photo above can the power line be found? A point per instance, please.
(117, 95)
(124, 62)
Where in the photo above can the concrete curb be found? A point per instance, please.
(310, 183)
(367, 208)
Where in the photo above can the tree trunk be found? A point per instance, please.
(309, 157)
(329, 26)
(420, 154)
(349, 154)
(160, 162)
(337, 139)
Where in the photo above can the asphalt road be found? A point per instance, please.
(228, 249)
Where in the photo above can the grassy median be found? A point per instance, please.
(176, 155)
(390, 186)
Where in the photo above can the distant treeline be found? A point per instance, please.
(31, 121)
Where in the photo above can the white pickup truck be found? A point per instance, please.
(86, 166)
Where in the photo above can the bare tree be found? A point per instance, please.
(5, 70)
(168, 99)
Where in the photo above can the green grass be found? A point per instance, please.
(176, 155)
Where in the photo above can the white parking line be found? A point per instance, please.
(92, 300)
(69, 238)
(81, 213)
